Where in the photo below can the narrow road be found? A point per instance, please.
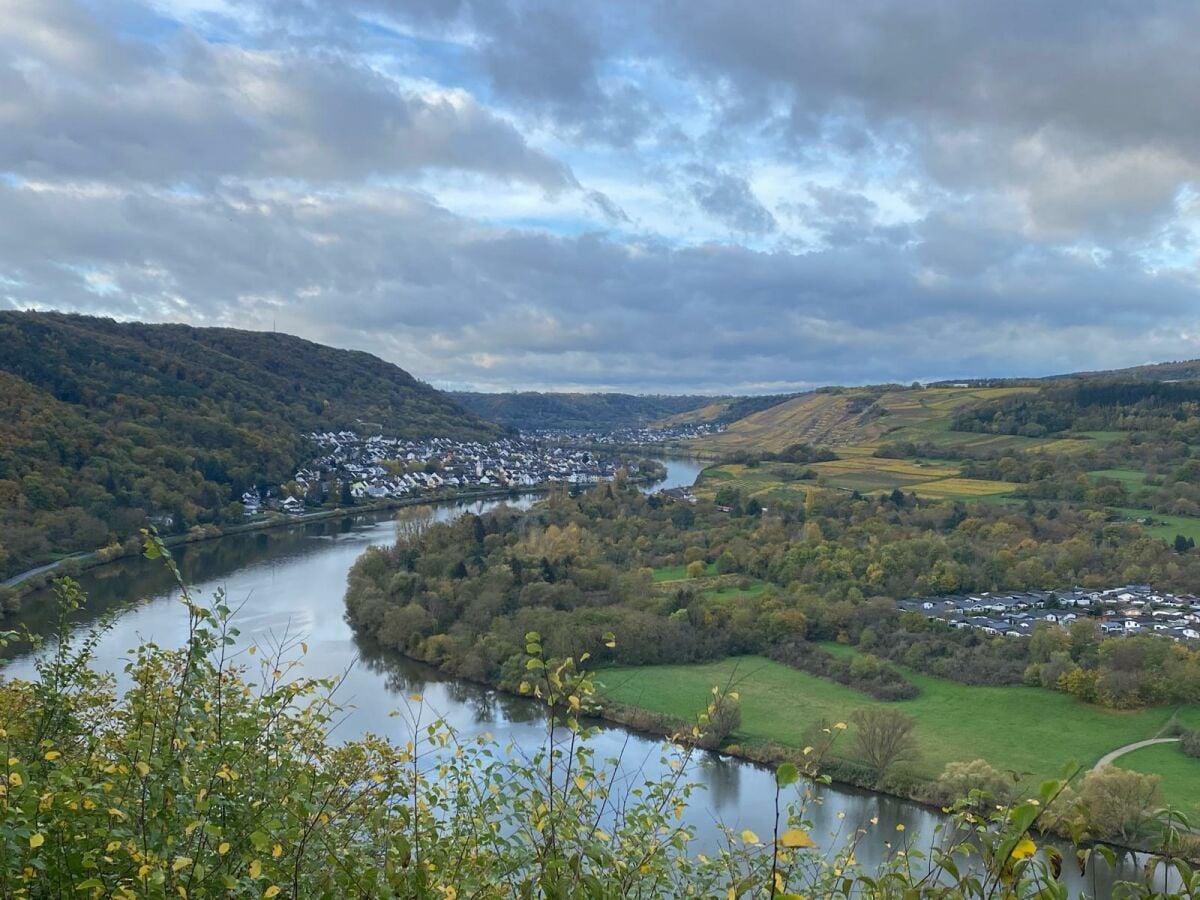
(17, 579)
(1107, 758)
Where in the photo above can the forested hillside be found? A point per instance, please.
(530, 411)
(1150, 407)
(104, 423)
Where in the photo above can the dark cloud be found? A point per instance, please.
(457, 303)
(729, 199)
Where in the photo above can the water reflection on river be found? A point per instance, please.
(290, 582)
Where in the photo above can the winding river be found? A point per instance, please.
(289, 582)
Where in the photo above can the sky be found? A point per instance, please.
(636, 195)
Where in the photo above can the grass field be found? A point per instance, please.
(1131, 478)
(1019, 728)
(1164, 526)
(679, 573)
(1180, 774)
(723, 595)
(1103, 437)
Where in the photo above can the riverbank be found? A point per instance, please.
(39, 577)
(14, 589)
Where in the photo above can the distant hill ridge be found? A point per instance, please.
(103, 423)
(532, 410)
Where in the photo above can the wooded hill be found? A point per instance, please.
(530, 410)
(104, 423)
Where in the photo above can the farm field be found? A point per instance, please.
(1180, 774)
(856, 472)
(767, 482)
(1020, 728)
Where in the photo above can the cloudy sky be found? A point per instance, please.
(647, 195)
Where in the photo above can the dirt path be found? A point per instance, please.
(1107, 758)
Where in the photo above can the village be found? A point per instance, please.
(348, 469)
(1122, 611)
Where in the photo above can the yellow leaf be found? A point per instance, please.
(900, 827)
(796, 838)
(840, 726)
(271, 891)
(143, 769)
(112, 845)
(223, 848)
(52, 755)
(303, 647)
(36, 840)
(277, 851)
(181, 862)
(255, 869)
(749, 837)
(1024, 849)
(415, 698)
(14, 779)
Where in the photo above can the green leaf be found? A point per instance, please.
(786, 774)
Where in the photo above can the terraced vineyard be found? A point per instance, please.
(855, 423)
(868, 417)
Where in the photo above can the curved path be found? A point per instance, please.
(1129, 748)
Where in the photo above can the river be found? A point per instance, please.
(291, 581)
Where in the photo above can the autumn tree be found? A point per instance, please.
(883, 737)
(1119, 802)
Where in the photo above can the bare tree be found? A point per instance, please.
(412, 522)
(883, 737)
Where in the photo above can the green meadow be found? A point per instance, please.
(1164, 526)
(1023, 729)
(1180, 774)
(679, 573)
